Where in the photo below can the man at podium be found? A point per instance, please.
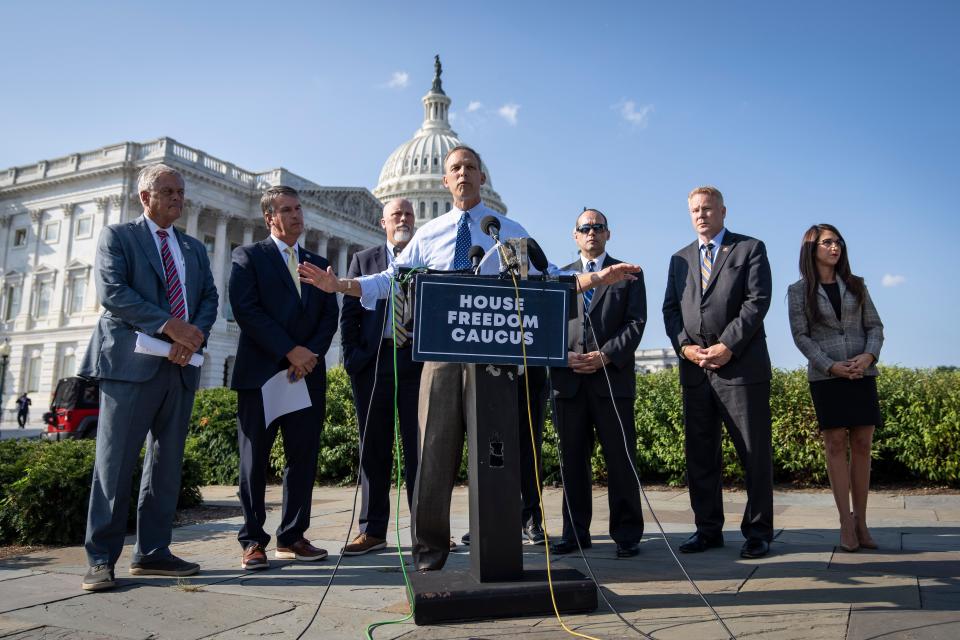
(444, 244)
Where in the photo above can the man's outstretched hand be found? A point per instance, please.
(325, 280)
(608, 275)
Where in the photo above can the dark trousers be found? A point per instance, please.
(537, 377)
(301, 443)
(577, 418)
(745, 410)
(373, 390)
(157, 411)
(22, 417)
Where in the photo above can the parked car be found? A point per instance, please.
(74, 409)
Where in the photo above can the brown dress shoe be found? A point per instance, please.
(254, 558)
(362, 544)
(300, 550)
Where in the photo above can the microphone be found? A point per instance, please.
(475, 254)
(491, 227)
(537, 257)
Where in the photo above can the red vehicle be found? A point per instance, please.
(74, 410)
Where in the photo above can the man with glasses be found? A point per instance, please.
(597, 392)
(443, 243)
(151, 279)
(718, 291)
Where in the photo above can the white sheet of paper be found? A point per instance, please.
(156, 347)
(280, 396)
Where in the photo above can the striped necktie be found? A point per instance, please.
(292, 268)
(401, 337)
(461, 251)
(706, 266)
(588, 294)
(178, 306)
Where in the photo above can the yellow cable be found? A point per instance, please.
(536, 462)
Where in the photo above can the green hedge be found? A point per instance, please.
(919, 440)
(45, 490)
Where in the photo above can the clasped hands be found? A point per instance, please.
(853, 368)
(710, 358)
(302, 362)
(586, 362)
(187, 340)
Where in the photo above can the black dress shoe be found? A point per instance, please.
(699, 542)
(754, 548)
(627, 549)
(564, 546)
(534, 534)
(465, 539)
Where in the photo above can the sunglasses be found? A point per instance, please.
(599, 227)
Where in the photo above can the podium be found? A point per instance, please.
(474, 320)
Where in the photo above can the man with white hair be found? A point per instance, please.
(368, 339)
(152, 279)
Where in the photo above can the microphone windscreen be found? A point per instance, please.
(537, 257)
(476, 254)
(489, 222)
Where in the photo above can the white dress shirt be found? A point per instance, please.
(433, 247)
(597, 262)
(178, 260)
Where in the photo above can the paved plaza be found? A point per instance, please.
(807, 587)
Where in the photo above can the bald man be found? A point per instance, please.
(368, 339)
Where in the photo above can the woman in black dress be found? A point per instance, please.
(836, 326)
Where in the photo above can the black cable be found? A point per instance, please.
(566, 500)
(356, 491)
(633, 468)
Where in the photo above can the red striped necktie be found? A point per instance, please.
(178, 306)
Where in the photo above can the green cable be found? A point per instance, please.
(396, 448)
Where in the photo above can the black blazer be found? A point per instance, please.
(272, 318)
(730, 311)
(361, 330)
(618, 315)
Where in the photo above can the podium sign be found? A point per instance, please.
(478, 320)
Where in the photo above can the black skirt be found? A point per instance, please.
(840, 402)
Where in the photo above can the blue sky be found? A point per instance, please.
(799, 112)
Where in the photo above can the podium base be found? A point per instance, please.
(455, 595)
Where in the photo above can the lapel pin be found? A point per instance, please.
(725, 249)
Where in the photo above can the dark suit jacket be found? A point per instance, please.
(730, 311)
(360, 330)
(133, 291)
(618, 315)
(273, 319)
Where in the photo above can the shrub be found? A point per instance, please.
(212, 437)
(47, 503)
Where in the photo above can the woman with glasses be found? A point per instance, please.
(836, 326)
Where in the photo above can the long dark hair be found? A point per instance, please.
(811, 277)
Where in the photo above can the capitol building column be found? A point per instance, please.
(248, 226)
(60, 284)
(219, 257)
(192, 211)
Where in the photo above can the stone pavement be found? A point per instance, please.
(807, 588)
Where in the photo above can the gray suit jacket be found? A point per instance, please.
(730, 310)
(133, 291)
(824, 343)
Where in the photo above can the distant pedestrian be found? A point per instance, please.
(23, 410)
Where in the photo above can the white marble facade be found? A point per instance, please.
(52, 212)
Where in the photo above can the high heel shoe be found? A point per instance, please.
(848, 532)
(863, 534)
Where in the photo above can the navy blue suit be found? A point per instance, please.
(361, 333)
(274, 319)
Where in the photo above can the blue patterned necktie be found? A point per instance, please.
(588, 294)
(706, 266)
(461, 251)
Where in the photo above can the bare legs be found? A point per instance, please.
(850, 479)
(861, 440)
